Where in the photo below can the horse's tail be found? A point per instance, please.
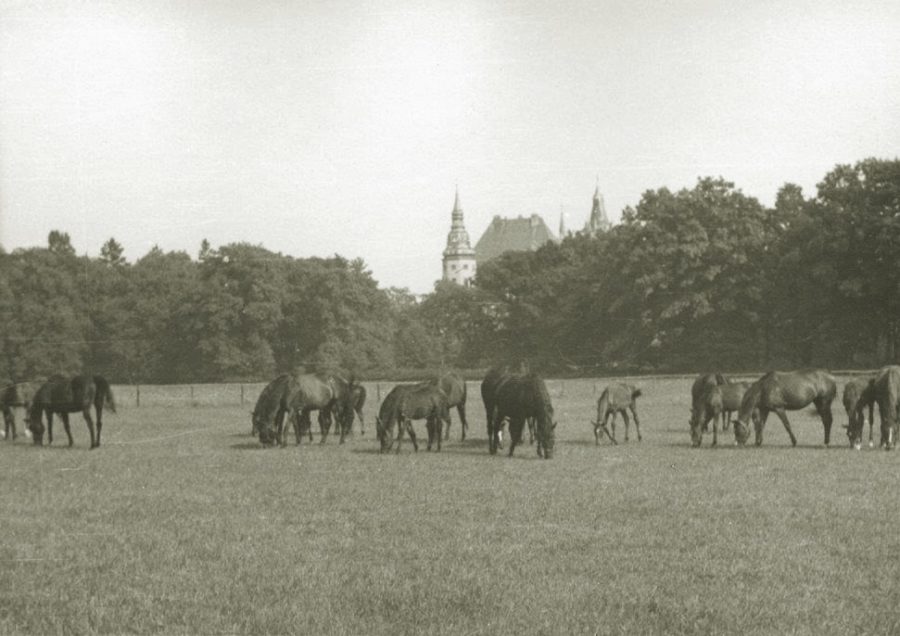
(104, 392)
(636, 393)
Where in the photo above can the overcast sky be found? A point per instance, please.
(316, 128)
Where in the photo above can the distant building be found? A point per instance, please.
(512, 235)
(459, 257)
(598, 221)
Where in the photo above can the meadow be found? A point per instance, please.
(182, 523)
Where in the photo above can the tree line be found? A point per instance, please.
(701, 278)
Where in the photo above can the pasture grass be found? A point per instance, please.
(181, 523)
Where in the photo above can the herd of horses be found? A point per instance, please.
(512, 394)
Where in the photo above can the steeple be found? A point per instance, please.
(459, 257)
(562, 223)
(598, 221)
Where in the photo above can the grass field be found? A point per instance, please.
(181, 523)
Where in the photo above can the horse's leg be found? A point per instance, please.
(611, 424)
(362, 422)
(461, 410)
(448, 426)
(50, 428)
(715, 420)
(515, 432)
(824, 410)
(760, 424)
(625, 417)
(99, 408)
(494, 422)
(65, 420)
(412, 434)
(400, 426)
(787, 425)
(90, 422)
(871, 421)
(324, 424)
(279, 427)
(637, 422)
(726, 420)
(439, 424)
(9, 423)
(531, 425)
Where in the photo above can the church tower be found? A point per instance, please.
(598, 222)
(459, 257)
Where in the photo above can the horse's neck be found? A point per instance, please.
(750, 402)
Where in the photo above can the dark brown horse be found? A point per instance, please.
(859, 393)
(700, 386)
(789, 391)
(406, 403)
(518, 397)
(13, 395)
(885, 391)
(454, 387)
(716, 404)
(62, 395)
(272, 405)
(488, 389)
(617, 398)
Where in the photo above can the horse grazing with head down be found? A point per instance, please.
(717, 403)
(788, 391)
(884, 389)
(617, 398)
(358, 395)
(408, 402)
(859, 393)
(297, 395)
(62, 395)
(519, 397)
(16, 394)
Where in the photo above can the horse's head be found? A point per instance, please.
(384, 436)
(741, 431)
(34, 424)
(855, 428)
(265, 428)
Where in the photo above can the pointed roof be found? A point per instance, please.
(598, 221)
(458, 239)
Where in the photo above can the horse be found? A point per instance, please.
(62, 395)
(859, 394)
(328, 394)
(271, 407)
(454, 387)
(489, 387)
(16, 394)
(885, 390)
(717, 403)
(617, 398)
(518, 397)
(701, 385)
(408, 402)
(785, 391)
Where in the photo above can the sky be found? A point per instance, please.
(321, 128)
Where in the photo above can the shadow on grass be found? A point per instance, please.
(251, 446)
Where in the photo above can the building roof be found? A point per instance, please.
(458, 238)
(508, 235)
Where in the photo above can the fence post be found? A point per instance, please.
(137, 395)
(242, 395)
(378, 392)
(192, 391)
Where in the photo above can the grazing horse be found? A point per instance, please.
(409, 402)
(717, 403)
(489, 387)
(859, 393)
(454, 387)
(271, 407)
(16, 394)
(328, 394)
(518, 397)
(62, 395)
(617, 398)
(885, 390)
(785, 391)
(699, 388)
